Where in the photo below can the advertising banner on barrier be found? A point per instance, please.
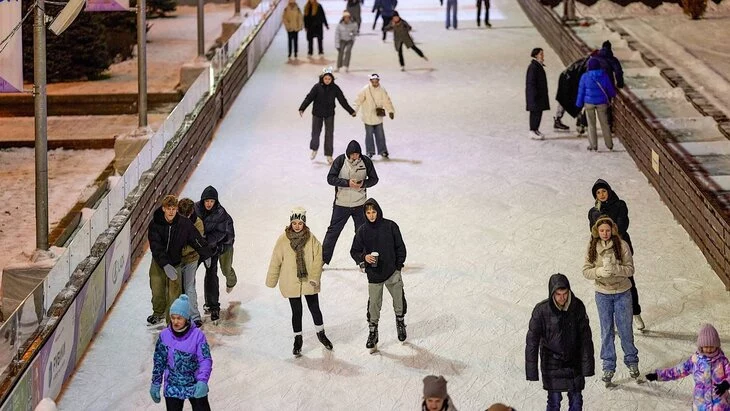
(57, 358)
(11, 53)
(107, 5)
(118, 264)
(21, 398)
(90, 308)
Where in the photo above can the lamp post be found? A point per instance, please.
(201, 32)
(41, 126)
(142, 62)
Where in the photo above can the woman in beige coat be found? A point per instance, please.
(296, 265)
(293, 23)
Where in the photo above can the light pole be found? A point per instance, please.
(142, 62)
(41, 126)
(201, 32)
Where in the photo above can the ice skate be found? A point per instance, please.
(400, 326)
(536, 135)
(385, 155)
(372, 342)
(229, 289)
(639, 322)
(607, 377)
(329, 160)
(153, 320)
(634, 373)
(559, 126)
(324, 340)
(313, 155)
(215, 315)
(297, 350)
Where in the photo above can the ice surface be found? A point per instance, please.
(486, 213)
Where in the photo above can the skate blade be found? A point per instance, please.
(374, 350)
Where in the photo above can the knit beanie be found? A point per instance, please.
(606, 45)
(708, 337)
(298, 213)
(181, 307)
(434, 387)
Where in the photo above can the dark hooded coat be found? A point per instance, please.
(323, 96)
(384, 237)
(611, 65)
(333, 176)
(167, 239)
(314, 20)
(536, 87)
(217, 222)
(563, 341)
(568, 84)
(613, 207)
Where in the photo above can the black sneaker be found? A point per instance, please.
(324, 340)
(400, 326)
(372, 336)
(297, 350)
(154, 319)
(215, 314)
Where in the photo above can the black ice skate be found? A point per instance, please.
(324, 340)
(297, 350)
(607, 377)
(400, 326)
(559, 126)
(372, 343)
(215, 314)
(154, 319)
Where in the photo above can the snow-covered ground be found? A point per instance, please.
(486, 213)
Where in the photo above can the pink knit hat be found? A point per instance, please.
(708, 337)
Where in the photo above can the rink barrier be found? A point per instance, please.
(44, 339)
(685, 188)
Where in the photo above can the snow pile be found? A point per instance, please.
(608, 9)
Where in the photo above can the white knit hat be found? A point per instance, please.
(298, 213)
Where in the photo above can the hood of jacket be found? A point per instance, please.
(353, 147)
(159, 217)
(556, 282)
(612, 196)
(210, 193)
(379, 218)
(321, 80)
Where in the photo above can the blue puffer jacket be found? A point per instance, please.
(590, 93)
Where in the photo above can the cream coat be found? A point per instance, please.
(368, 99)
(293, 19)
(618, 281)
(283, 268)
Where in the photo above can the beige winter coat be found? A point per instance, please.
(618, 280)
(283, 268)
(293, 19)
(368, 99)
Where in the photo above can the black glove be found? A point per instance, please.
(652, 376)
(392, 115)
(722, 388)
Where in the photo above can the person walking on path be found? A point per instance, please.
(323, 95)
(344, 39)
(451, 10)
(402, 37)
(191, 260)
(595, 92)
(355, 10)
(435, 396)
(296, 265)
(387, 11)
(607, 202)
(486, 13)
(374, 102)
(560, 335)
(314, 19)
(351, 174)
(293, 23)
(608, 263)
(536, 92)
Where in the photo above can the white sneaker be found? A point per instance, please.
(313, 155)
(639, 322)
(329, 160)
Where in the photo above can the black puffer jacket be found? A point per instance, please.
(167, 240)
(217, 222)
(323, 96)
(563, 340)
(613, 207)
(384, 237)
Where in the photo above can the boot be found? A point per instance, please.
(607, 376)
(558, 125)
(372, 337)
(400, 326)
(324, 340)
(634, 370)
(298, 341)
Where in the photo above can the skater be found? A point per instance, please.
(451, 10)
(191, 260)
(220, 235)
(293, 23)
(351, 174)
(387, 11)
(376, 9)
(296, 265)
(323, 95)
(435, 397)
(353, 7)
(609, 264)
(402, 37)
(607, 202)
(612, 66)
(344, 40)
(536, 92)
(559, 333)
(182, 358)
(374, 102)
(379, 250)
(558, 119)
(314, 19)
(595, 93)
(567, 94)
(486, 13)
(167, 234)
(710, 369)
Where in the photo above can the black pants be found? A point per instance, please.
(375, 20)
(296, 311)
(486, 11)
(340, 215)
(176, 404)
(310, 44)
(211, 285)
(400, 53)
(535, 119)
(386, 21)
(329, 134)
(635, 297)
(293, 42)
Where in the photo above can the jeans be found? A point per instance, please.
(535, 119)
(340, 215)
(400, 54)
(394, 284)
(486, 11)
(602, 111)
(616, 307)
(188, 284)
(293, 42)
(296, 311)
(377, 131)
(344, 52)
(176, 404)
(451, 7)
(575, 400)
(329, 134)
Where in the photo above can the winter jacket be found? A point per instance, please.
(448, 405)
(283, 268)
(618, 282)
(181, 359)
(370, 98)
(568, 84)
(314, 20)
(323, 96)
(384, 237)
(611, 65)
(217, 222)
(613, 207)
(589, 91)
(536, 87)
(293, 19)
(168, 239)
(189, 254)
(563, 340)
(401, 33)
(345, 32)
(387, 7)
(707, 372)
(343, 170)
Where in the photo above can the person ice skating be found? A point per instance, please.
(296, 265)
(182, 359)
(221, 235)
(435, 397)
(191, 260)
(609, 264)
(536, 92)
(612, 66)
(607, 202)
(344, 40)
(314, 20)
(293, 23)
(374, 102)
(486, 13)
(353, 7)
(379, 250)
(567, 94)
(451, 10)
(595, 93)
(560, 334)
(710, 369)
(387, 11)
(167, 234)
(402, 37)
(322, 97)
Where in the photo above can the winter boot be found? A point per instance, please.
(154, 320)
(400, 326)
(607, 376)
(634, 370)
(298, 341)
(639, 322)
(324, 340)
(558, 125)
(372, 337)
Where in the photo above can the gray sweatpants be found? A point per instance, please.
(394, 284)
(602, 111)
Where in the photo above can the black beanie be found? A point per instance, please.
(606, 45)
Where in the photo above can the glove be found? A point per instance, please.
(654, 377)
(722, 388)
(391, 115)
(201, 389)
(155, 393)
(170, 272)
(206, 263)
(362, 267)
(601, 272)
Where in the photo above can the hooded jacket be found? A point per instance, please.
(595, 88)
(314, 20)
(536, 87)
(343, 170)
(568, 84)
(217, 222)
(384, 237)
(323, 96)
(182, 361)
(562, 338)
(611, 65)
(613, 207)
(168, 239)
(708, 372)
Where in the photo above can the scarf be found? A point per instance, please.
(297, 241)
